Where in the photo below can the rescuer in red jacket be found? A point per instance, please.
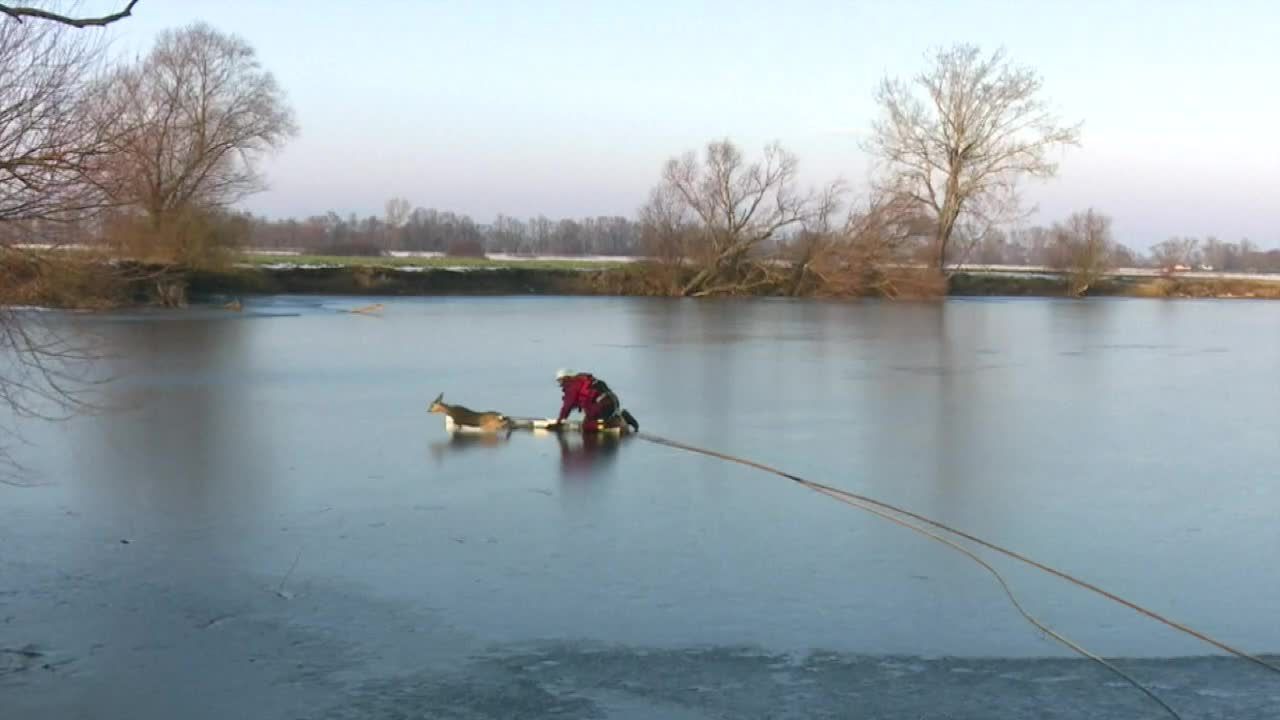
(585, 392)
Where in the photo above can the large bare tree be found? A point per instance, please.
(49, 145)
(956, 138)
(198, 111)
(718, 212)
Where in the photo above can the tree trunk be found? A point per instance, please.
(950, 212)
(946, 224)
(799, 272)
(698, 281)
(728, 260)
(171, 292)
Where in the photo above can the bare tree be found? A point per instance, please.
(725, 209)
(1037, 244)
(1085, 249)
(818, 234)
(1175, 253)
(49, 151)
(1123, 256)
(872, 253)
(198, 112)
(1216, 254)
(20, 13)
(397, 212)
(395, 218)
(49, 145)
(667, 235)
(957, 138)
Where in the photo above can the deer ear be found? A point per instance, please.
(438, 398)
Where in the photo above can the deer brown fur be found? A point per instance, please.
(464, 416)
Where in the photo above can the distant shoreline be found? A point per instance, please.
(87, 283)
(373, 279)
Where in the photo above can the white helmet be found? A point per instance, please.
(562, 373)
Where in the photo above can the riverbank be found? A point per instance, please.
(477, 279)
(1138, 286)
(99, 284)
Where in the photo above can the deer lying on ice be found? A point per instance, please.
(458, 417)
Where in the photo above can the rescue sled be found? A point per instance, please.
(617, 426)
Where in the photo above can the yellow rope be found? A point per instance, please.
(890, 512)
(1010, 553)
(1007, 591)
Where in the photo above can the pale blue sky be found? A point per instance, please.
(570, 109)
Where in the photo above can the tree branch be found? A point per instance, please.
(18, 13)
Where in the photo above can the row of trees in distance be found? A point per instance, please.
(431, 230)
